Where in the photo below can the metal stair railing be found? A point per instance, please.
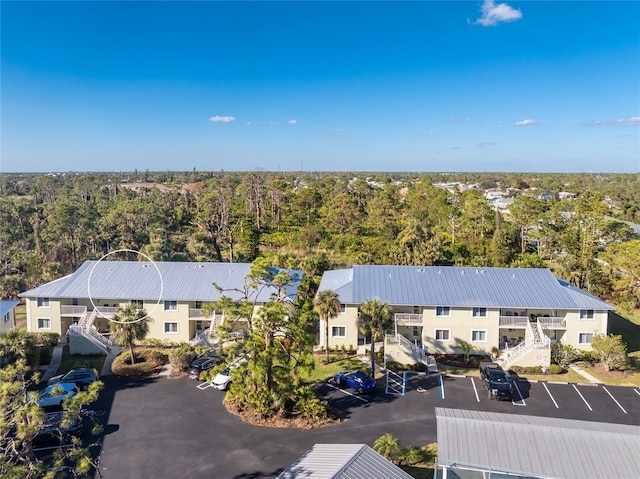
(416, 352)
(92, 335)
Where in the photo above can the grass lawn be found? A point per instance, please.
(323, 371)
(82, 362)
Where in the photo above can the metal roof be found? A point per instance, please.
(459, 286)
(534, 446)
(7, 305)
(343, 461)
(177, 281)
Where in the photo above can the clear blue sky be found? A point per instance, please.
(330, 86)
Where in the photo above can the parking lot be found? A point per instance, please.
(159, 427)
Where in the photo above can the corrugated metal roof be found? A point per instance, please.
(534, 446)
(343, 461)
(459, 286)
(150, 281)
(7, 305)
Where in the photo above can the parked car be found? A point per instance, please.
(53, 432)
(355, 380)
(53, 395)
(204, 362)
(81, 377)
(222, 380)
(496, 380)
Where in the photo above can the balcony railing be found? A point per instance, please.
(72, 310)
(552, 322)
(513, 321)
(408, 318)
(196, 313)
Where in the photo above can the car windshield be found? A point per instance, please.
(498, 378)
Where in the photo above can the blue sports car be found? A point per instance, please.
(356, 380)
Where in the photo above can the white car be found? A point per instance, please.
(222, 380)
(53, 395)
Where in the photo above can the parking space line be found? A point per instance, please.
(519, 394)
(474, 389)
(203, 386)
(637, 392)
(580, 394)
(441, 387)
(347, 392)
(614, 399)
(549, 393)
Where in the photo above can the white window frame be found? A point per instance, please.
(338, 336)
(169, 331)
(590, 333)
(415, 331)
(6, 317)
(343, 308)
(43, 328)
(435, 335)
(139, 303)
(170, 303)
(43, 302)
(586, 315)
(483, 332)
(478, 310)
(439, 311)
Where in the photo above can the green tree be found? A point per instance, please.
(387, 446)
(375, 318)
(611, 351)
(128, 326)
(466, 348)
(327, 305)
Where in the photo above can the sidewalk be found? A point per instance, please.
(108, 361)
(584, 374)
(56, 360)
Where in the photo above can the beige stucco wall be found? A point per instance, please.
(575, 326)
(460, 323)
(51, 312)
(348, 319)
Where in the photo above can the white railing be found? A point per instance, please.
(416, 352)
(545, 340)
(195, 313)
(513, 321)
(66, 310)
(407, 318)
(535, 339)
(552, 322)
(92, 335)
(520, 350)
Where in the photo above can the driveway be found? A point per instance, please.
(169, 428)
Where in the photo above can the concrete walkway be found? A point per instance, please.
(56, 360)
(584, 374)
(108, 361)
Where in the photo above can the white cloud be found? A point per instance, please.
(493, 13)
(428, 133)
(526, 122)
(292, 122)
(634, 120)
(222, 119)
(273, 123)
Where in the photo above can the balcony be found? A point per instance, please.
(552, 322)
(72, 310)
(196, 313)
(514, 322)
(407, 319)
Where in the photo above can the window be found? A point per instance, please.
(478, 336)
(6, 318)
(338, 331)
(587, 314)
(74, 302)
(443, 334)
(416, 310)
(443, 311)
(44, 323)
(138, 303)
(343, 309)
(479, 312)
(171, 306)
(170, 328)
(584, 338)
(43, 302)
(198, 305)
(416, 332)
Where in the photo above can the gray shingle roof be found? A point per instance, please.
(458, 286)
(534, 446)
(342, 461)
(7, 305)
(170, 281)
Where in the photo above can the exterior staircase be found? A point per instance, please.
(84, 329)
(416, 353)
(535, 340)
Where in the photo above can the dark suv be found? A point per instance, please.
(204, 362)
(81, 377)
(496, 380)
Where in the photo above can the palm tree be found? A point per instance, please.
(387, 446)
(466, 349)
(128, 326)
(374, 318)
(327, 305)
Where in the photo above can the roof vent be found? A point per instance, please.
(145, 265)
(462, 272)
(513, 276)
(390, 275)
(439, 271)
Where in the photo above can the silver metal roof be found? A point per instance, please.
(458, 286)
(533, 446)
(177, 281)
(7, 305)
(343, 461)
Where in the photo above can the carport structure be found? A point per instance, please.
(477, 444)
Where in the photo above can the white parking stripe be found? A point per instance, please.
(519, 394)
(614, 399)
(580, 394)
(347, 392)
(549, 393)
(441, 387)
(203, 386)
(474, 389)
(637, 392)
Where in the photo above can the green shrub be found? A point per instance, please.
(563, 354)
(589, 356)
(181, 357)
(46, 339)
(555, 369)
(527, 369)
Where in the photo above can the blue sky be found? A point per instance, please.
(327, 86)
